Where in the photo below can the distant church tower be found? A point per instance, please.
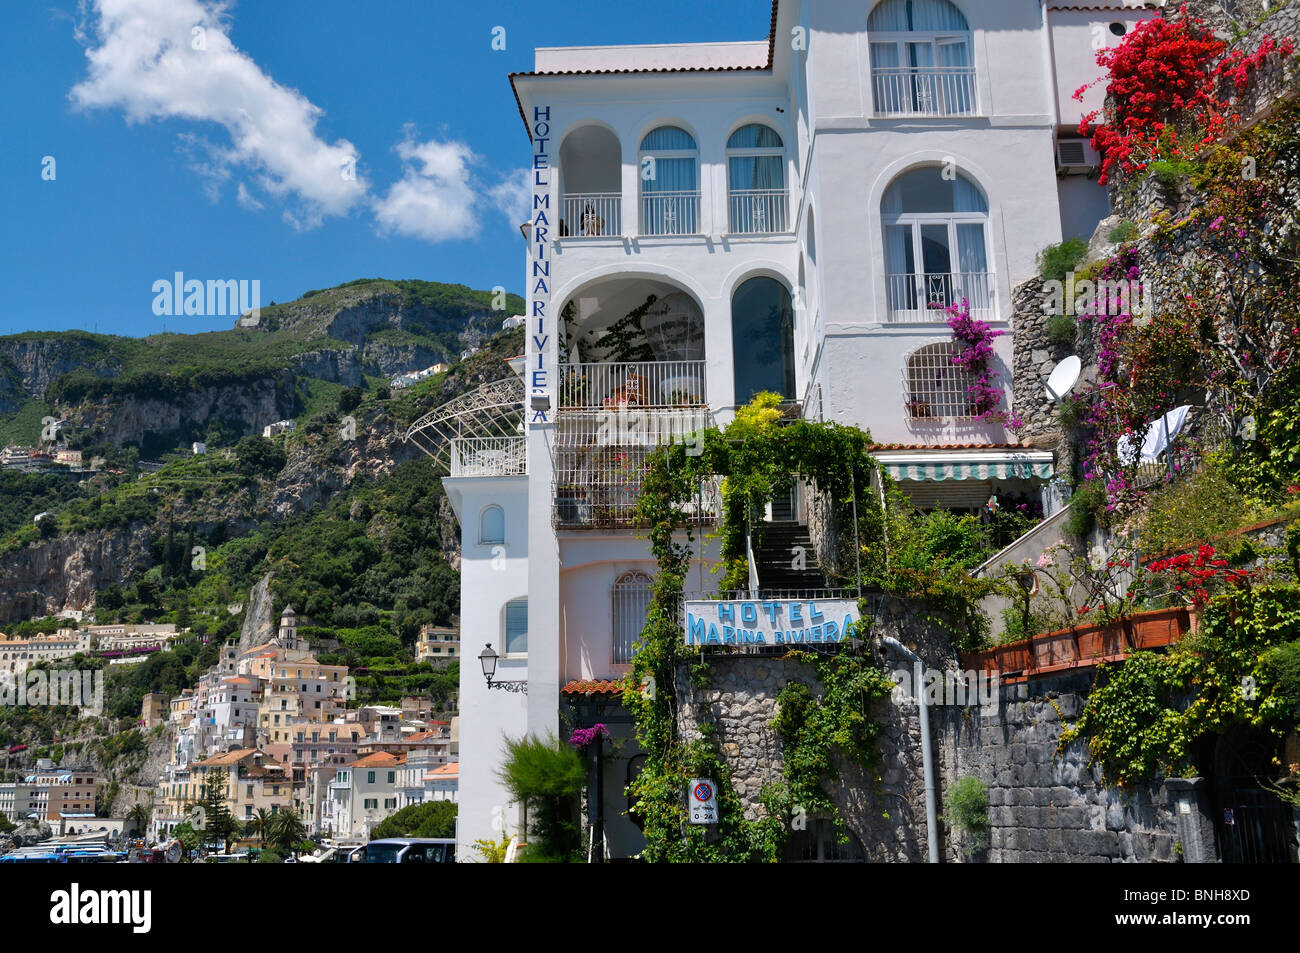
(287, 637)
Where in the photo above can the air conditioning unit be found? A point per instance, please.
(1076, 157)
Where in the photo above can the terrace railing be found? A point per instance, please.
(757, 211)
(921, 297)
(670, 213)
(488, 456)
(641, 384)
(924, 90)
(591, 214)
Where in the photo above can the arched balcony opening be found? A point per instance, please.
(762, 336)
(935, 223)
(756, 192)
(632, 377)
(591, 162)
(669, 173)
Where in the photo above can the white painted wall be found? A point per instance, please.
(488, 582)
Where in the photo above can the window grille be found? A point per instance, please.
(936, 388)
(631, 607)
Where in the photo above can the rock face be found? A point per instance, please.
(45, 578)
(30, 363)
(259, 620)
(151, 422)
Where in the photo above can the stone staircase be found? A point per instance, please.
(781, 565)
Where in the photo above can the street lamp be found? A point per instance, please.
(488, 659)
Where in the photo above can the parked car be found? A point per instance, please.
(406, 850)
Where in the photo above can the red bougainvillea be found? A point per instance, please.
(1165, 83)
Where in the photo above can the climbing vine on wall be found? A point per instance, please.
(755, 456)
(1144, 716)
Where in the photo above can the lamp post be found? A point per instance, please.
(488, 659)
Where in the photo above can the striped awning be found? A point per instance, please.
(1009, 465)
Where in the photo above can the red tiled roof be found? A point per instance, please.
(592, 686)
(380, 759)
(771, 52)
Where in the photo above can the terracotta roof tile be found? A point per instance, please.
(592, 686)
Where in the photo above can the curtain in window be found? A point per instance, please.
(492, 527)
(973, 263)
(516, 627)
(900, 16)
(754, 136)
(967, 196)
(755, 172)
(899, 267)
(667, 137)
(887, 83)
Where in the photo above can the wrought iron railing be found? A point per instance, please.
(922, 297)
(488, 456)
(640, 384)
(591, 214)
(756, 211)
(924, 90)
(670, 213)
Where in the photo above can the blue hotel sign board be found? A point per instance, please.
(769, 621)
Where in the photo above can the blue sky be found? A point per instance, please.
(228, 160)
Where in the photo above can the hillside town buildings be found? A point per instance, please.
(270, 725)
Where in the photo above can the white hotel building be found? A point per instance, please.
(793, 204)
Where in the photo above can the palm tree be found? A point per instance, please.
(288, 830)
(260, 825)
(139, 816)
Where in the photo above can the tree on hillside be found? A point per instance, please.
(259, 455)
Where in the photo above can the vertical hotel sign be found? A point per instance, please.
(541, 348)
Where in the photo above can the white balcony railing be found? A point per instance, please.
(488, 456)
(757, 210)
(924, 90)
(640, 384)
(601, 486)
(922, 297)
(670, 213)
(591, 214)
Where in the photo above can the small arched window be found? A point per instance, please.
(515, 636)
(921, 59)
(492, 525)
(670, 185)
(936, 387)
(631, 597)
(756, 180)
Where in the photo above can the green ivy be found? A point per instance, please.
(1145, 714)
(756, 456)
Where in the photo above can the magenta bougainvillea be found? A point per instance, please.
(976, 338)
(582, 737)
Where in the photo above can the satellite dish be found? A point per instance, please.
(1063, 378)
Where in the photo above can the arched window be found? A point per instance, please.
(590, 183)
(921, 59)
(934, 221)
(515, 636)
(762, 338)
(631, 598)
(492, 525)
(936, 387)
(670, 187)
(756, 180)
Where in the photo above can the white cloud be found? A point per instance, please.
(435, 199)
(172, 59)
(247, 199)
(514, 196)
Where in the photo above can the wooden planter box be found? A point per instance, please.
(1085, 645)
